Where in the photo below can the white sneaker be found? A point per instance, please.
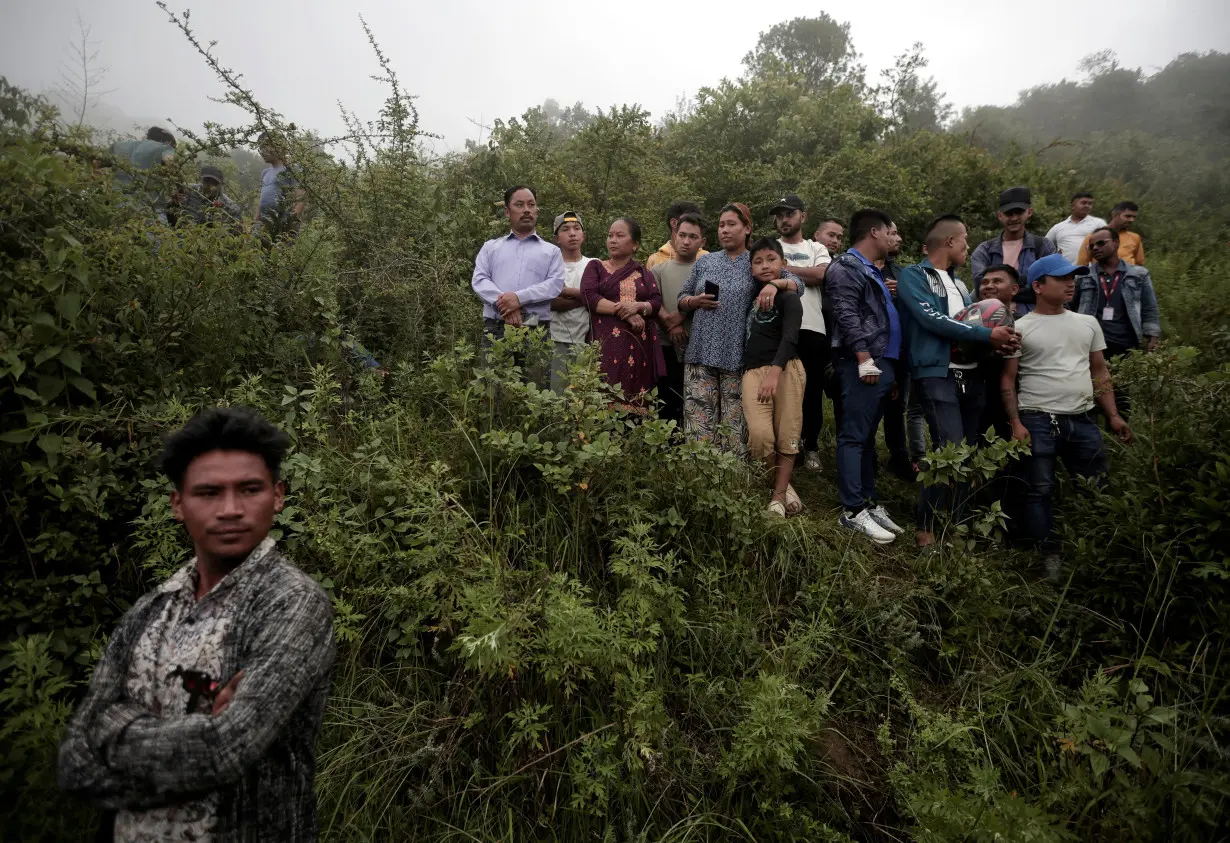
(812, 461)
(865, 524)
(880, 515)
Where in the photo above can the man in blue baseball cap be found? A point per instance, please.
(1062, 375)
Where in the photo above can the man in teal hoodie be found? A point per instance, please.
(930, 296)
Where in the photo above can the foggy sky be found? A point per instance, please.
(476, 61)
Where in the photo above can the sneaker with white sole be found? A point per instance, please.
(812, 461)
(865, 524)
(880, 515)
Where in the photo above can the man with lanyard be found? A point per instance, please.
(1120, 296)
(1015, 246)
(1062, 373)
(866, 342)
(517, 275)
(948, 392)
(808, 260)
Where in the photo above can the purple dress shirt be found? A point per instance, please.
(530, 267)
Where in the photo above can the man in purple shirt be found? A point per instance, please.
(518, 275)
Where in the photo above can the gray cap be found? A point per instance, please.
(211, 172)
(567, 216)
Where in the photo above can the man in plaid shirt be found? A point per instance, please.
(201, 718)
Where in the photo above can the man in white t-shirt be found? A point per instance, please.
(808, 260)
(1068, 235)
(569, 316)
(1062, 375)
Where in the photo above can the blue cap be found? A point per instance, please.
(1056, 266)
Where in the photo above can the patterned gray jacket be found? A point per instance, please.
(256, 759)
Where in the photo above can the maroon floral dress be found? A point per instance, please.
(631, 359)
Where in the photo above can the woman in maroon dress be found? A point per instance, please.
(623, 297)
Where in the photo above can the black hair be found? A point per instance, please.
(157, 133)
(770, 243)
(1124, 206)
(864, 221)
(508, 194)
(1084, 194)
(223, 429)
(833, 220)
(692, 219)
(634, 228)
(1010, 271)
(936, 223)
(746, 219)
(678, 209)
(1114, 235)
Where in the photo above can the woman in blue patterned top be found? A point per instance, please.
(712, 374)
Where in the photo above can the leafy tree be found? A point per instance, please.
(818, 49)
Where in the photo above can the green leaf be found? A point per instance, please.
(84, 386)
(71, 358)
(69, 305)
(49, 387)
(46, 354)
(16, 366)
(17, 437)
(50, 443)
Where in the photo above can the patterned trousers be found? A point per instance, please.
(713, 407)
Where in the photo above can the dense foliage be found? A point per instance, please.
(555, 623)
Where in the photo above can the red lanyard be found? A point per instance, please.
(1108, 292)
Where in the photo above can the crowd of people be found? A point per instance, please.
(144, 169)
(203, 710)
(741, 346)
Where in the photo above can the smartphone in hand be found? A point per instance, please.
(711, 289)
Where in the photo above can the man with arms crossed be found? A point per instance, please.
(1068, 235)
(201, 718)
(672, 274)
(1062, 375)
(570, 317)
(808, 260)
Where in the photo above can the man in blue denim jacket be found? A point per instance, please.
(1062, 375)
(867, 343)
(1120, 296)
(1014, 246)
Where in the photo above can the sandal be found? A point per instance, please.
(776, 509)
(794, 504)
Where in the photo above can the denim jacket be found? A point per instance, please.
(1138, 298)
(860, 312)
(990, 252)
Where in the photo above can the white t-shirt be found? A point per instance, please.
(1067, 236)
(808, 253)
(1054, 369)
(956, 303)
(571, 326)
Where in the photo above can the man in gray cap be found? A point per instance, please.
(1015, 246)
(569, 317)
(206, 201)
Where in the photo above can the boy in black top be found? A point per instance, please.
(774, 379)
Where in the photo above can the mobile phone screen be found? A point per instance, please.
(711, 289)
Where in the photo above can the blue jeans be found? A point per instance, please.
(1078, 442)
(862, 409)
(953, 407)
